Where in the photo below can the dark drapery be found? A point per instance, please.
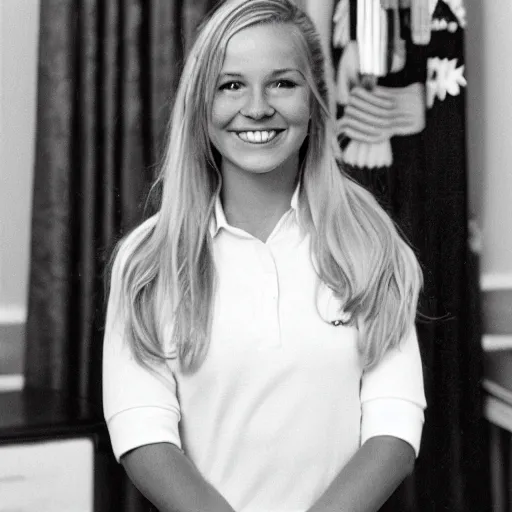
(425, 191)
(107, 73)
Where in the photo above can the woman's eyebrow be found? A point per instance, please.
(275, 72)
(229, 73)
(285, 70)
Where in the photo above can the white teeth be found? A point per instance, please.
(258, 137)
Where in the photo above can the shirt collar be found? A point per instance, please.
(219, 221)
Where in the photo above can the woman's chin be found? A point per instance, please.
(257, 167)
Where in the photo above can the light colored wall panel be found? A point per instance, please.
(19, 25)
(19, 22)
(489, 72)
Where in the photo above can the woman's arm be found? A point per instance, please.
(392, 403)
(369, 478)
(142, 412)
(169, 480)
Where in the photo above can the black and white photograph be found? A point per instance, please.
(255, 256)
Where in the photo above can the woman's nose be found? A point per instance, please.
(257, 106)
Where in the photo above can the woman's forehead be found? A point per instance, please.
(262, 47)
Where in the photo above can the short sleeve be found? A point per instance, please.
(140, 406)
(392, 395)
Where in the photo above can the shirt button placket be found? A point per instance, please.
(270, 299)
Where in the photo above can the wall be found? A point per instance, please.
(489, 74)
(18, 62)
(489, 136)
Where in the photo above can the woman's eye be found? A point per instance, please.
(284, 84)
(230, 86)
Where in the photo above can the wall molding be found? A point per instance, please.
(13, 315)
(489, 282)
(493, 281)
(498, 412)
(492, 342)
(11, 383)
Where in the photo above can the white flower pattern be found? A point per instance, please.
(458, 9)
(443, 77)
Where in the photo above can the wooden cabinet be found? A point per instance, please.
(497, 386)
(54, 454)
(47, 476)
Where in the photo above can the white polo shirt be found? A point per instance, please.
(281, 402)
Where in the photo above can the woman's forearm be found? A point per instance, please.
(169, 480)
(369, 478)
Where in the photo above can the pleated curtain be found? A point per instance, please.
(107, 73)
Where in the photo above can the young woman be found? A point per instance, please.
(260, 352)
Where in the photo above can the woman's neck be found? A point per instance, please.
(255, 202)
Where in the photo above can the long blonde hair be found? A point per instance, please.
(163, 277)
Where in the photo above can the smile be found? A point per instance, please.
(259, 137)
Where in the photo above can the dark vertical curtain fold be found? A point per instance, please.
(106, 77)
(107, 73)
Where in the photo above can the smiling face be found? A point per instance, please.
(261, 106)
